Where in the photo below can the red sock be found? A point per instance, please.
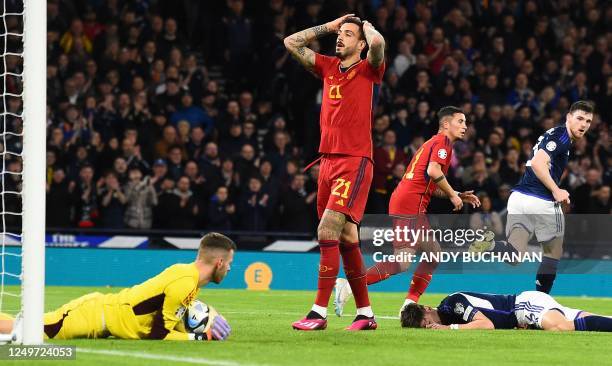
(420, 280)
(354, 268)
(381, 271)
(329, 265)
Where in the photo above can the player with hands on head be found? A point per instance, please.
(350, 89)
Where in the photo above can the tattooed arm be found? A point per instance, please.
(466, 197)
(297, 42)
(376, 42)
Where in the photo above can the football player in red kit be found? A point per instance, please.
(424, 177)
(350, 87)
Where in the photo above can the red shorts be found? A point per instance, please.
(408, 210)
(408, 204)
(344, 184)
(411, 229)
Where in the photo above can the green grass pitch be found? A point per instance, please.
(262, 335)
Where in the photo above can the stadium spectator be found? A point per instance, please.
(195, 115)
(246, 164)
(253, 207)
(86, 198)
(178, 208)
(196, 143)
(584, 194)
(386, 157)
(220, 215)
(296, 206)
(600, 202)
(175, 160)
(141, 198)
(112, 202)
(59, 200)
(196, 181)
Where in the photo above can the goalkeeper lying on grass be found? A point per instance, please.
(529, 309)
(151, 310)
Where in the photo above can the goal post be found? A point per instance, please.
(34, 161)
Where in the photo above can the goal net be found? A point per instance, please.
(22, 147)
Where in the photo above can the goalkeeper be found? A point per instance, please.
(151, 310)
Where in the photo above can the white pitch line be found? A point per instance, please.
(297, 314)
(158, 357)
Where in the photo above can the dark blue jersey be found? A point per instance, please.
(461, 307)
(556, 143)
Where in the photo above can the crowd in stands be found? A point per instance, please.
(192, 115)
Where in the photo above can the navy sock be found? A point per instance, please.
(547, 272)
(593, 323)
(503, 247)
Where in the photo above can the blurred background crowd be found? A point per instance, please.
(191, 114)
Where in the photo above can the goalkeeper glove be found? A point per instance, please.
(220, 328)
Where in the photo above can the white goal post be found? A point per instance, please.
(33, 155)
(34, 163)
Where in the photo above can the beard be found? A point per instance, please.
(344, 52)
(217, 277)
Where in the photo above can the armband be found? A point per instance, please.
(454, 326)
(439, 179)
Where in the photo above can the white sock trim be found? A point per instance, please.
(319, 310)
(365, 311)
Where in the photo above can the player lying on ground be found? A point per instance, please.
(529, 309)
(534, 207)
(350, 87)
(424, 177)
(150, 310)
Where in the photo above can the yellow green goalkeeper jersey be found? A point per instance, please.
(153, 308)
(150, 310)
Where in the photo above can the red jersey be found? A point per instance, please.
(416, 183)
(347, 107)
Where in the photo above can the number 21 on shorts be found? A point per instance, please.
(341, 188)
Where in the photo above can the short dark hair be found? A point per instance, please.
(447, 111)
(412, 316)
(215, 241)
(583, 105)
(358, 22)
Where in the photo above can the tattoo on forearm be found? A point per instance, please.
(297, 44)
(320, 30)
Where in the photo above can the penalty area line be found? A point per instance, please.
(171, 358)
(296, 313)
